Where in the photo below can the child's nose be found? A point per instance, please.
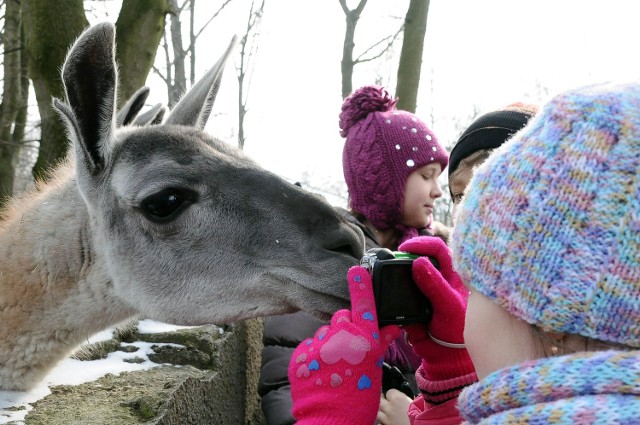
(437, 191)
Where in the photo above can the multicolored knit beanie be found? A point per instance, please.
(383, 147)
(550, 225)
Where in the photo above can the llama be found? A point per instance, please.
(160, 220)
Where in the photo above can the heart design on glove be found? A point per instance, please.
(303, 371)
(301, 358)
(364, 383)
(345, 346)
(364, 304)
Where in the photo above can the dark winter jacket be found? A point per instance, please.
(282, 334)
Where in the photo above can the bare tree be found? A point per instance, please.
(51, 32)
(248, 52)
(373, 52)
(175, 54)
(415, 28)
(13, 109)
(139, 29)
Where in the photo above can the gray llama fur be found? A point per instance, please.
(80, 254)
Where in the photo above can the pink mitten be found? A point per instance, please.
(446, 366)
(336, 376)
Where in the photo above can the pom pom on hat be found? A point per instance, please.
(383, 147)
(550, 225)
(361, 103)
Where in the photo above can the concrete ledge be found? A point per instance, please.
(211, 379)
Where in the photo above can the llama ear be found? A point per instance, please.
(127, 114)
(153, 116)
(195, 106)
(90, 77)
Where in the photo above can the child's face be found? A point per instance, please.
(494, 338)
(459, 180)
(420, 192)
(458, 183)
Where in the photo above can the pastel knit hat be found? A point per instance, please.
(383, 147)
(490, 131)
(550, 225)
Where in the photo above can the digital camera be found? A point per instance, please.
(398, 299)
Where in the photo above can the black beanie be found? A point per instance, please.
(488, 132)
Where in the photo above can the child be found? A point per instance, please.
(391, 162)
(486, 133)
(549, 246)
(476, 143)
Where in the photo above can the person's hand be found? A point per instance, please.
(446, 365)
(336, 376)
(393, 408)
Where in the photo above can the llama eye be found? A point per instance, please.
(166, 205)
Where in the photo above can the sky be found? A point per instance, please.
(478, 56)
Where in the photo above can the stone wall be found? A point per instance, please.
(209, 376)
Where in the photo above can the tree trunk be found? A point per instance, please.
(139, 29)
(192, 42)
(347, 63)
(415, 29)
(13, 98)
(248, 51)
(20, 123)
(179, 86)
(50, 28)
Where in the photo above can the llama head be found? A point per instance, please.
(189, 229)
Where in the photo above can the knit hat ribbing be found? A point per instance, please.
(383, 147)
(550, 225)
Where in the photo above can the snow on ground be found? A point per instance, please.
(75, 372)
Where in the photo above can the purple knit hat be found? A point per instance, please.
(383, 147)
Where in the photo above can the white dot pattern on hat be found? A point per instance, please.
(411, 162)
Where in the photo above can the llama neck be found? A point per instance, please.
(54, 291)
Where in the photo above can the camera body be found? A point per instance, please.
(399, 301)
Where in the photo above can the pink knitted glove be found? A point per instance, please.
(446, 366)
(336, 376)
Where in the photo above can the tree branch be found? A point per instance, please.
(160, 74)
(212, 18)
(357, 10)
(391, 38)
